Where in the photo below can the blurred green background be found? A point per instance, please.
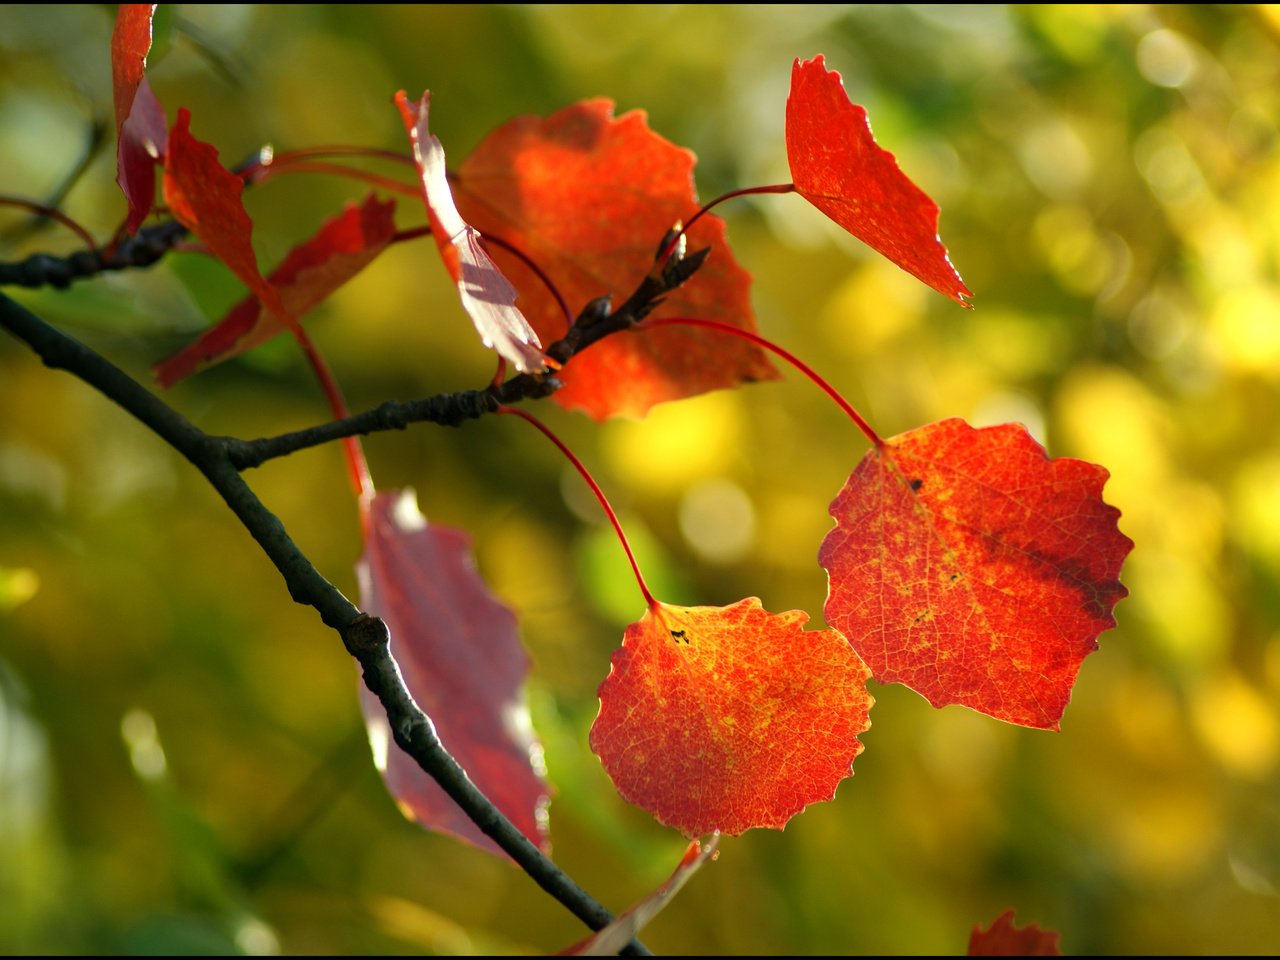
(181, 759)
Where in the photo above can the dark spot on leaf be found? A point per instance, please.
(917, 483)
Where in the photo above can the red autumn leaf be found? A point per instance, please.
(312, 271)
(460, 653)
(839, 168)
(609, 940)
(487, 295)
(1003, 939)
(728, 718)
(130, 44)
(971, 567)
(204, 196)
(140, 126)
(588, 198)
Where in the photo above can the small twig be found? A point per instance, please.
(594, 323)
(44, 214)
(93, 144)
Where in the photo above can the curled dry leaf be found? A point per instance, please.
(971, 567)
(729, 718)
(487, 295)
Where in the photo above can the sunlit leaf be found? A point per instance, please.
(839, 168)
(487, 295)
(971, 567)
(204, 196)
(141, 132)
(729, 718)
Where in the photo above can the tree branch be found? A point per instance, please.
(142, 250)
(365, 637)
(596, 322)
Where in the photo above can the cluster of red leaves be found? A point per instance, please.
(588, 196)
(964, 563)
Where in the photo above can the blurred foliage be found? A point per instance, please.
(181, 763)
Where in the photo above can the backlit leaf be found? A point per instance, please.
(1003, 939)
(312, 271)
(460, 654)
(728, 718)
(204, 196)
(130, 43)
(140, 125)
(588, 197)
(971, 567)
(839, 168)
(487, 295)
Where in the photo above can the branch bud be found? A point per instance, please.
(365, 636)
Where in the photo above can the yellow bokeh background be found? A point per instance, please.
(182, 764)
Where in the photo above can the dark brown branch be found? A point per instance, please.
(221, 459)
(596, 322)
(365, 637)
(142, 250)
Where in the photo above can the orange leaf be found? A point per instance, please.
(140, 126)
(588, 197)
(459, 650)
(487, 295)
(1003, 939)
(969, 566)
(728, 718)
(204, 196)
(341, 248)
(838, 167)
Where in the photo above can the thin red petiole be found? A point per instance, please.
(343, 150)
(357, 466)
(390, 184)
(268, 158)
(595, 488)
(786, 355)
(41, 210)
(745, 191)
